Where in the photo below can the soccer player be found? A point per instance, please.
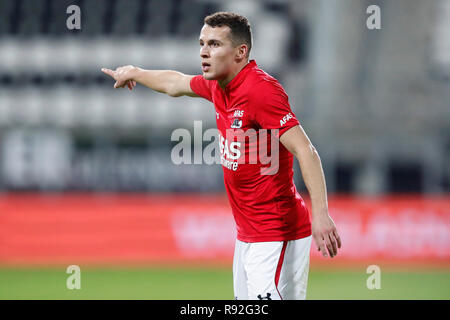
(274, 231)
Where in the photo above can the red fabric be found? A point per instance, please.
(280, 264)
(202, 87)
(265, 203)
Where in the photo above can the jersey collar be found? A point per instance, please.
(237, 80)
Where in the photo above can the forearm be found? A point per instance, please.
(163, 81)
(314, 178)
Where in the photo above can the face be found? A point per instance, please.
(217, 53)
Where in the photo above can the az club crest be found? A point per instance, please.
(237, 123)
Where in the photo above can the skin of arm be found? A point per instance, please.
(324, 230)
(172, 83)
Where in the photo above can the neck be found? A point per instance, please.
(223, 83)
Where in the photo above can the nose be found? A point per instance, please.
(204, 52)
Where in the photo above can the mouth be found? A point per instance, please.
(205, 66)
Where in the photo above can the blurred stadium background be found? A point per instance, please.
(85, 172)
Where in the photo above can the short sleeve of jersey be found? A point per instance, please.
(272, 110)
(201, 87)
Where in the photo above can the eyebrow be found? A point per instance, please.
(210, 40)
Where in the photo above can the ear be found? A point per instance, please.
(241, 52)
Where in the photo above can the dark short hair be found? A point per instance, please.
(240, 27)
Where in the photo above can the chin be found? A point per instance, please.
(209, 76)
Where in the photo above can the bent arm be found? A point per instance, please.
(170, 82)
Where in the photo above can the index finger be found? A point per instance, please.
(109, 72)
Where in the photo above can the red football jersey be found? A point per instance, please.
(258, 170)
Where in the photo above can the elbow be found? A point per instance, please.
(169, 90)
(173, 94)
(308, 151)
(314, 152)
(172, 91)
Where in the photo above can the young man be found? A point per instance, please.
(274, 231)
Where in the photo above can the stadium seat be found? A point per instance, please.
(158, 19)
(93, 18)
(6, 16)
(31, 18)
(125, 18)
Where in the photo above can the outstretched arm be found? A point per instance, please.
(170, 82)
(323, 228)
